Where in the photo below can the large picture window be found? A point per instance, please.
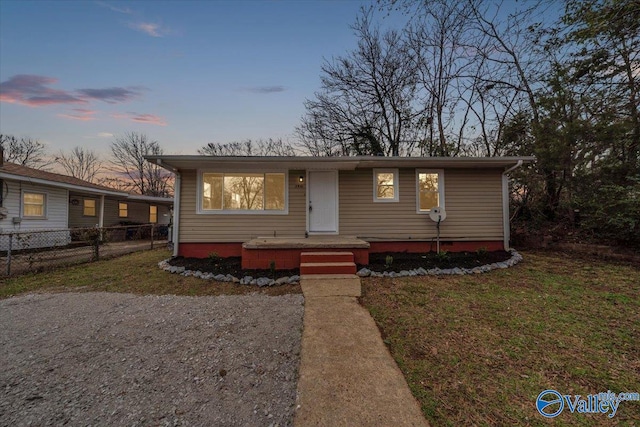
(430, 189)
(243, 192)
(33, 205)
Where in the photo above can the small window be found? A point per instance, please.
(123, 210)
(33, 205)
(89, 207)
(153, 214)
(430, 189)
(385, 185)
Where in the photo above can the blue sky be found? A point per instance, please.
(76, 73)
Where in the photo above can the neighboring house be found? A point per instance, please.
(33, 199)
(230, 205)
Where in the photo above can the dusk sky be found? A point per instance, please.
(76, 73)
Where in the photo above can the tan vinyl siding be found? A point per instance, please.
(196, 227)
(473, 203)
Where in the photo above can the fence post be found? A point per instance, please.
(152, 229)
(96, 248)
(9, 254)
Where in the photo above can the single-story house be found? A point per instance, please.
(271, 209)
(32, 199)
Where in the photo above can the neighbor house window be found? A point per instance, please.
(385, 185)
(123, 210)
(33, 205)
(89, 207)
(430, 189)
(153, 214)
(247, 192)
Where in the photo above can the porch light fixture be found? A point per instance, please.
(301, 179)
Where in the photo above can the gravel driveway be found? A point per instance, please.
(118, 359)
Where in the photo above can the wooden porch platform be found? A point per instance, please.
(286, 252)
(311, 242)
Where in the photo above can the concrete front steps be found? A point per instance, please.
(327, 263)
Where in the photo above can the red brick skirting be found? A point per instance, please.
(286, 259)
(203, 250)
(416, 247)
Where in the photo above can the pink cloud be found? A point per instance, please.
(111, 95)
(33, 91)
(151, 119)
(80, 114)
(149, 28)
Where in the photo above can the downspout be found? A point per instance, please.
(506, 230)
(176, 213)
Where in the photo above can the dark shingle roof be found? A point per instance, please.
(24, 171)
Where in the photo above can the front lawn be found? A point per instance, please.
(137, 273)
(478, 349)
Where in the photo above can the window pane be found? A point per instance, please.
(33, 210)
(385, 192)
(31, 198)
(212, 191)
(153, 214)
(243, 192)
(385, 179)
(428, 181)
(428, 201)
(123, 210)
(274, 191)
(89, 207)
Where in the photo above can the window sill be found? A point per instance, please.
(239, 212)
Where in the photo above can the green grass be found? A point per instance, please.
(136, 273)
(477, 350)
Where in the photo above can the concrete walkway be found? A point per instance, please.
(347, 376)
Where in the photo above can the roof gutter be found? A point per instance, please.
(506, 226)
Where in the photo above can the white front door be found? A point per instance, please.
(323, 201)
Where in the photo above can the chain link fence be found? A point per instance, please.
(36, 250)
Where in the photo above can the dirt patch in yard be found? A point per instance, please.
(408, 261)
(120, 359)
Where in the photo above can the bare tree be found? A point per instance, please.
(261, 147)
(143, 177)
(24, 151)
(80, 163)
(367, 104)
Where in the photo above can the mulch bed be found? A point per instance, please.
(409, 261)
(377, 262)
(231, 265)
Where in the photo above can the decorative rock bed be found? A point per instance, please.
(363, 272)
(246, 280)
(515, 258)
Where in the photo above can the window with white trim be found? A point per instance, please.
(243, 192)
(430, 189)
(34, 205)
(385, 185)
